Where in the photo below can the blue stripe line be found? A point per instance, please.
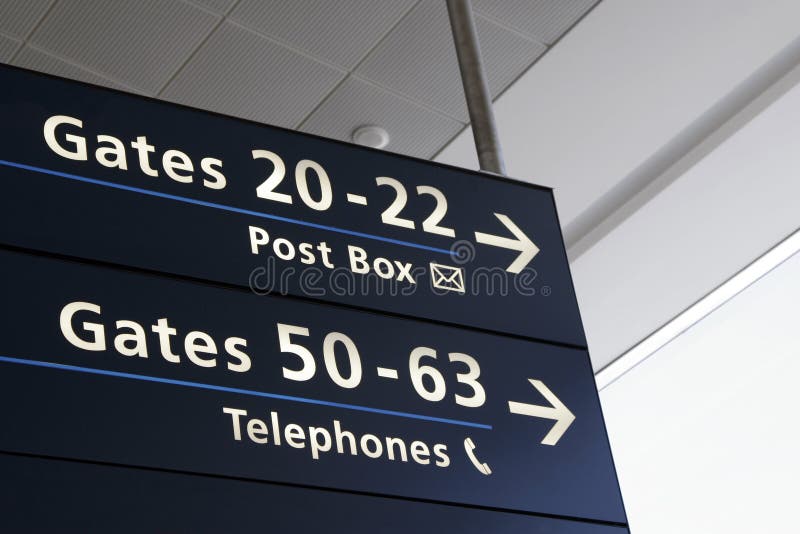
(199, 385)
(221, 206)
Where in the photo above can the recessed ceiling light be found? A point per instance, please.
(371, 136)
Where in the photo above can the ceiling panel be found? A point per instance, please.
(220, 6)
(17, 19)
(277, 61)
(418, 59)
(506, 55)
(342, 35)
(7, 47)
(544, 20)
(33, 59)
(414, 130)
(246, 75)
(139, 43)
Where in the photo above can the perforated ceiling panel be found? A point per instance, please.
(543, 20)
(414, 130)
(244, 74)
(219, 6)
(17, 19)
(341, 33)
(419, 59)
(140, 43)
(319, 65)
(7, 47)
(30, 58)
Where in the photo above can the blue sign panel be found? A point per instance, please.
(193, 300)
(169, 374)
(99, 174)
(112, 499)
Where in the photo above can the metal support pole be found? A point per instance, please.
(476, 90)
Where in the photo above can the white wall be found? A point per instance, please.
(706, 432)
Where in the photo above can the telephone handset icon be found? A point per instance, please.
(483, 467)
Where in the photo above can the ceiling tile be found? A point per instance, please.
(240, 73)
(544, 20)
(139, 43)
(7, 47)
(33, 59)
(505, 55)
(418, 59)
(413, 130)
(18, 17)
(220, 6)
(340, 33)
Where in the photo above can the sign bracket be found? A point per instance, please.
(476, 89)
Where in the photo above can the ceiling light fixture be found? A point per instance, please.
(700, 309)
(371, 136)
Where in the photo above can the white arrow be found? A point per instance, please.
(522, 243)
(557, 412)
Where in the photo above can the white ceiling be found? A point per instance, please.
(319, 66)
(618, 116)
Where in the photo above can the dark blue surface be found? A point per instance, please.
(150, 412)
(192, 230)
(119, 499)
(145, 247)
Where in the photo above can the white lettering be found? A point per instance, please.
(79, 150)
(98, 339)
(197, 342)
(174, 161)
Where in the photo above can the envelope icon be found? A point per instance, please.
(447, 277)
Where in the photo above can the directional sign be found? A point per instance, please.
(98, 174)
(558, 412)
(196, 300)
(167, 374)
(520, 242)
